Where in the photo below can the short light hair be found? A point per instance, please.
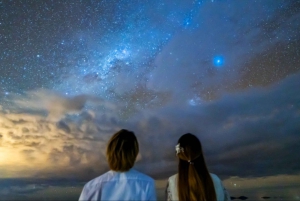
(122, 150)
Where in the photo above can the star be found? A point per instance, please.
(218, 61)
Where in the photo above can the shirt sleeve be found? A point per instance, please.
(168, 195)
(152, 192)
(225, 192)
(83, 195)
(226, 195)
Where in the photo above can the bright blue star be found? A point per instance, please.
(218, 61)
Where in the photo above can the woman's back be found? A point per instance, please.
(130, 185)
(193, 181)
(121, 182)
(172, 193)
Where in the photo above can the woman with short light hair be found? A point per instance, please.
(122, 182)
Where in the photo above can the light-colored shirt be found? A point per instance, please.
(221, 192)
(130, 185)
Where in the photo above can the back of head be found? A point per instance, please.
(122, 150)
(191, 145)
(194, 181)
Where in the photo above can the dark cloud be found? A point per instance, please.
(34, 137)
(87, 115)
(24, 189)
(91, 77)
(32, 144)
(14, 136)
(28, 151)
(62, 125)
(75, 154)
(19, 121)
(25, 130)
(257, 129)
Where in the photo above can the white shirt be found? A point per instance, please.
(221, 192)
(130, 185)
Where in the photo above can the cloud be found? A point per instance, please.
(62, 125)
(54, 104)
(56, 148)
(256, 128)
(39, 189)
(234, 129)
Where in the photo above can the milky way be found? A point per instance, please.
(108, 48)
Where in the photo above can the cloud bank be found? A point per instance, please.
(257, 129)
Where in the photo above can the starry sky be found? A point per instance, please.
(72, 73)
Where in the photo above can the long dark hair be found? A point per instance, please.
(194, 181)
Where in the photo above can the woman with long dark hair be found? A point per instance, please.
(193, 181)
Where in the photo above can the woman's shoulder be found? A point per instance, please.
(98, 180)
(173, 178)
(136, 175)
(214, 176)
(216, 180)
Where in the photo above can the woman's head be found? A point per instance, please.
(194, 181)
(122, 150)
(189, 148)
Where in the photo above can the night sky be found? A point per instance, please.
(72, 73)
